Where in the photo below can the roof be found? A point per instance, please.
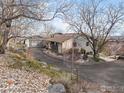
(34, 38)
(116, 38)
(60, 37)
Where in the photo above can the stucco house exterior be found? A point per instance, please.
(60, 43)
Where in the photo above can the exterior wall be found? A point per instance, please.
(81, 43)
(33, 43)
(59, 48)
(16, 43)
(68, 44)
(27, 42)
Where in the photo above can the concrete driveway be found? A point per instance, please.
(110, 74)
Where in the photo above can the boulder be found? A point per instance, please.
(56, 88)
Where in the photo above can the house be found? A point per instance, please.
(33, 41)
(16, 43)
(115, 45)
(25, 42)
(61, 43)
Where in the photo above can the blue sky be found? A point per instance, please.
(61, 26)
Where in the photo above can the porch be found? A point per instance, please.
(55, 47)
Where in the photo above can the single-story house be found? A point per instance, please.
(25, 42)
(115, 45)
(60, 43)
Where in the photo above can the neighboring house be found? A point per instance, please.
(60, 43)
(33, 41)
(16, 43)
(115, 45)
(25, 42)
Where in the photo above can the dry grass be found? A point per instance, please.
(21, 62)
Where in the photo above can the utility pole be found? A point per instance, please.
(29, 50)
(72, 62)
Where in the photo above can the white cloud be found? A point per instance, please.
(60, 25)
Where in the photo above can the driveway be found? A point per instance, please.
(109, 73)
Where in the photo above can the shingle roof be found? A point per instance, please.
(116, 38)
(59, 38)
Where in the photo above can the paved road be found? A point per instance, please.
(110, 74)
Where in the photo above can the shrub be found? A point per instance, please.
(17, 64)
(82, 51)
(76, 51)
(76, 54)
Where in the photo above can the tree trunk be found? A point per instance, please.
(95, 55)
(5, 41)
(2, 50)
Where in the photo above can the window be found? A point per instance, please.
(87, 43)
(74, 44)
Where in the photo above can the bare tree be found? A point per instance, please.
(11, 10)
(95, 22)
(49, 29)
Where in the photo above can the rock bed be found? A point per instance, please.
(21, 81)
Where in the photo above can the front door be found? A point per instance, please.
(54, 46)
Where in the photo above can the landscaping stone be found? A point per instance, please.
(93, 91)
(20, 80)
(56, 88)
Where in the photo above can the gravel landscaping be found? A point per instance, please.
(21, 81)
